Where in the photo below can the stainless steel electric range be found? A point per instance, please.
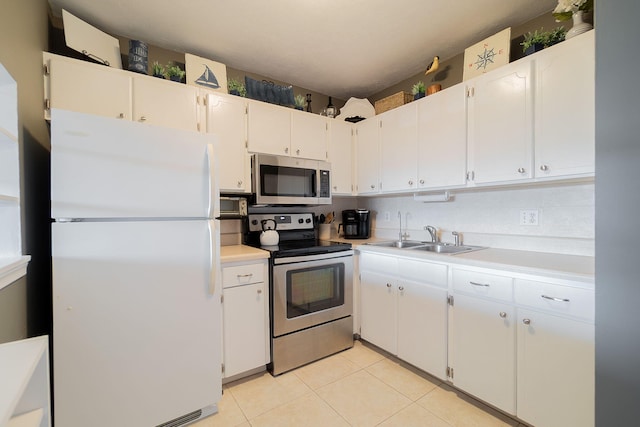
(310, 291)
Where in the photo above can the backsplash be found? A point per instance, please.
(566, 218)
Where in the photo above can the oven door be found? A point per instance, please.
(311, 290)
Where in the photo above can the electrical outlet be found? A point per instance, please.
(529, 217)
(387, 216)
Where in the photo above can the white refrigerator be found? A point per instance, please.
(136, 273)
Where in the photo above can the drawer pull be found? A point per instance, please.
(401, 288)
(555, 299)
(526, 321)
(503, 314)
(485, 285)
(239, 276)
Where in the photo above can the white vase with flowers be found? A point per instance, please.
(575, 10)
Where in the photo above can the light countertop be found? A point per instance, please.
(235, 253)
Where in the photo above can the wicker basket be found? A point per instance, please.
(393, 101)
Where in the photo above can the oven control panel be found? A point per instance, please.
(288, 221)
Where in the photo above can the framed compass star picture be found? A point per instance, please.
(487, 55)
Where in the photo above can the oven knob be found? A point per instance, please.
(300, 220)
(254, 222)
(308, 220)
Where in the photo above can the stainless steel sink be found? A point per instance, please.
(399, 244)
(446, 249)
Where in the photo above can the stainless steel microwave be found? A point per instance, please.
(279, 180)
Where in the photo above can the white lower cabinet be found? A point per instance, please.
(522, 343)
(483, 338)
(404, 314)
(245, 317)
(555, 355)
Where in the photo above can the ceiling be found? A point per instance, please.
(341, 48)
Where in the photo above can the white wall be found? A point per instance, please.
(492, 218)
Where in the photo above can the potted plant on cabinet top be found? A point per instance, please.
(236, 87)
(157, 70)
(175, 73)
(299, 102)
(539, 39)
(418, 90)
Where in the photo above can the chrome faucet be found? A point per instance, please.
(403, 236)
(456, 236)
(433, 232)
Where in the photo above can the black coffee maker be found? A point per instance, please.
(356, 223)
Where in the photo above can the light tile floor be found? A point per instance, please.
(358, 387)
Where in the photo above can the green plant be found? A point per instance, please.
(566, 8)
(157, 69)
(235, 86)
(174, 70)
(300, 101)
(418, 88)
(544, 38)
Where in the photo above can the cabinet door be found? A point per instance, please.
(88, 88)
(484, 350)
(442, 138)
(244, 328)
(367, 157)
(422, 327)
(565, 88)
(500, 124)
(227, 118)
(268, 129)
(555, 370)
(308, 135)
(399, 148)
(378, 300)
(341, 157)
(165, 103)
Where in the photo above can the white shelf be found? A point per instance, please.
(11, 269)
(24, 369)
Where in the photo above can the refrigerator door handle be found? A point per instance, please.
(215, 257)
(214, 202)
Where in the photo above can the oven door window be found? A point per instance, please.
(287, 181)
(314, 289)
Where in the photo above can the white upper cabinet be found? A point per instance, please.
(500, 133)
(165, 103)
(269, 129)
(398, 148)
(226, 117)
(308, 135)
(367, 157)
(442, 139)
(282, 131)
(84, 87)
(565, 108)
(341, 157)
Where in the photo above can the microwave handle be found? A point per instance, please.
(314, 184)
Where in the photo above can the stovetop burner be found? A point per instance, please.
(297, 235)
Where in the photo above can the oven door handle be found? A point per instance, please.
(314, 257)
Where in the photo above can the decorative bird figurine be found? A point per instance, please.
(433, 66)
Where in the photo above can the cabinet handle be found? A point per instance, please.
(298, 152)
(401, 288)
(373, 186)
(526, 321)
(240, 183)
(121, 116)
(244, 275)
(410, 182)
(521, 170)
(555, 299)
(259, 291)
(422, 181)
(335, 187)
(503, 314)
(142, 119)
(286, 150)
(480, 284)
(544, 167)
(388, 285)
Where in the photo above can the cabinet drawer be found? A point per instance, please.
(483, 284)
(423, 272)
(242, 274)
(554, 298)
(379, 263)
